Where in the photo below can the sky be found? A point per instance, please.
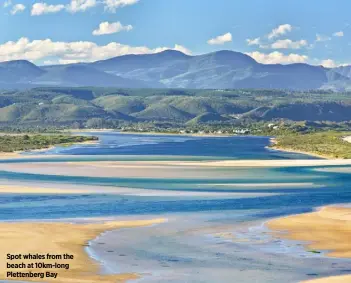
(317, 32)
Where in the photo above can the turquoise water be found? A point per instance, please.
(332, 187)
(224, 200)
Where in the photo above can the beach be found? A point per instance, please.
(325, 230)
(59, 239)
(215, 193)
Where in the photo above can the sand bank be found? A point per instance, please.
(223, 163)
(333, 279)
(19, 189)
(328, 229)
(59, 239)
(18, 154)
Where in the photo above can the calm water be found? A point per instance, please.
(160, 145)
(332, 187)
(187, 248)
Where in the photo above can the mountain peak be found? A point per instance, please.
(228, 57)
(17, 63)
(172, 53)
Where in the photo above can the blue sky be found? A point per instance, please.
(271, 31)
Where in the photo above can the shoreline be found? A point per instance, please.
(177, 134)
(20, 154)
(62, 238)
(290, 150)
(275, 146)
(327, 229)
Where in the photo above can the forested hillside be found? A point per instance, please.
(109, 106)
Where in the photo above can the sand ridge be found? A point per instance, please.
(327, 229)
(62, 238)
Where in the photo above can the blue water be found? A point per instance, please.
(185, 249)
(333, 187)
(163, 145)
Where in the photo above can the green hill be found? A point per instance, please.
(207, 118)
(64, 106)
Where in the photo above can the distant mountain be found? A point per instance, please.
(174, 69)
(344, 70)
(83, 75)
(19, 71)
(24, 74)
(222, 70)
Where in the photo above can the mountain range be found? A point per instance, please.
(173, 69)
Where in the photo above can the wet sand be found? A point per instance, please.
(59, 239)
(328, 229)
(83, 189)
(162, 169)
(223, 163)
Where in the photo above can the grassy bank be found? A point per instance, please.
(328, 144)
(12, 143)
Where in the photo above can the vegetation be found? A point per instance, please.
(67, 107)
(328, 144)
(11, 143)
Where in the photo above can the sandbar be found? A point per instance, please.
(59, 239)
(222, 163)
(332, 279)
(328, 229)
(82, 189)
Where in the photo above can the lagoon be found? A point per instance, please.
(215, 215)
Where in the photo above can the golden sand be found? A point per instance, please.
(333, 279)
(19, 189)
(59, 239)
(6, 189)
(328, 229)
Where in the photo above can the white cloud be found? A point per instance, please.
(18, 8)
(113, 5)
(71, 52)
(183, 49)
(109, 28)
(78, 6)
(7, 3)
(280, 30)
(255, 41)
(221, 39)
(81, 5)
(328, 63)
(277, 58)
(338, 34)
(289, 44)
(322, 38)
(43, 8)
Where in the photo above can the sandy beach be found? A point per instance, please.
(333, 279)
(76, 190)
(328, 229)
(18, 154)
(222, 163)
(59, 239)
